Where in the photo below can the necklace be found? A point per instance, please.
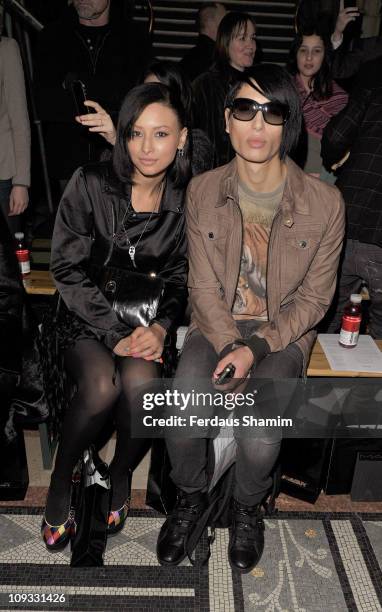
(132, 247)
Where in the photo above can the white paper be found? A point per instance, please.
(365, 357)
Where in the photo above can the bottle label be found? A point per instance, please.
(350, 330)
(25, 267)
(24, 262)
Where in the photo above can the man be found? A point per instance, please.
(198, 59)
(107, 53)
(282, 229)
(358, 130)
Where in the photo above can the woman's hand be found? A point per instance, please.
(144, 342)
(18, 200)
(345, 16)
(99, 122)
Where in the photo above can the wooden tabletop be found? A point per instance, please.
(39, 282)
(319, 366)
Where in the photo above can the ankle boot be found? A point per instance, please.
(246, 543)
(117, 518)
(175, 531)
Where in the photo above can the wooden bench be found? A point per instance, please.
(39, 282)
(319, 366)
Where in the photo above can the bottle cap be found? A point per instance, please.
(19, 235)
(356, 298)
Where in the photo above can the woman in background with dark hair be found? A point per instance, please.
(321, 97)
(128, 212)
(169, 74)
(235, 50)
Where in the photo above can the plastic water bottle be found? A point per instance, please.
(351, 322)
(22, 254)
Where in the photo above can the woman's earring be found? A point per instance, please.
(180, 152)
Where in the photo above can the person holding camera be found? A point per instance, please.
(96, 45)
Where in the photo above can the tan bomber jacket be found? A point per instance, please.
(303, 254)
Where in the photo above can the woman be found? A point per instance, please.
(234, 52)
(128, 212)
(321, 97)
(168, 74)
(14, 135)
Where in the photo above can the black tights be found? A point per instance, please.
(90, 366)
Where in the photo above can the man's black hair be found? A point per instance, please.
(276, 84)
(133, 105)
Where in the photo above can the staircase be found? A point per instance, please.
(175, 32)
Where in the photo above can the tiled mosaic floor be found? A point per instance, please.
(313, 562)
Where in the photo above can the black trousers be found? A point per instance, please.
(256, 454)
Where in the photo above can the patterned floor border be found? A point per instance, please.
(296, 573)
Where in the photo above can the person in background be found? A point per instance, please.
(169, 74)
(127, 212)
(358, 130)
(92, 43)
(234, 53)
(321, 97)
(199, 59)
(14, 135)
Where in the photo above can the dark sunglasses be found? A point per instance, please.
(245, 109)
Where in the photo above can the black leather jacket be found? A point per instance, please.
(91, 213)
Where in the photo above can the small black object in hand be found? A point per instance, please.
(226, 374)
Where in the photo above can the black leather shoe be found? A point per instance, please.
(171, 546)
(246, 542)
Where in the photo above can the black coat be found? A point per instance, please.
(198, 59)
(11, 305)
(358, 129)
(62, 52)
(210, 90)
(90, 214)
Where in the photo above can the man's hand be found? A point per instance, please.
(345, 16)
(144, 342)
(18, 200)
(242, 358)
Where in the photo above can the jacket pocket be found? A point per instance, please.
(215, 232)
(299, 252)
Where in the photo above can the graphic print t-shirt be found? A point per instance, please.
(258, 211)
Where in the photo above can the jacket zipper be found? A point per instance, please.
(111, 247)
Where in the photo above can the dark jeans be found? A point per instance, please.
(256, 456)
(14, 222)
(360, 262)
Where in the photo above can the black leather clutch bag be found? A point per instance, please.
(134, 296)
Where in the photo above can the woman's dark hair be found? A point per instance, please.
(229, 26)
(169, 74)
(322, 81)
(133, 105)
(276, 84)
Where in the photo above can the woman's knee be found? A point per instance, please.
(101, 389)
